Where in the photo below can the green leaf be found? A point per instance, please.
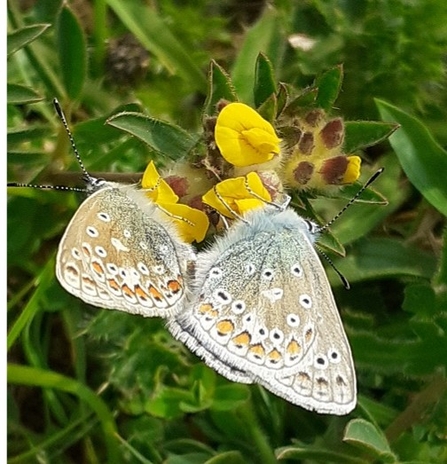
(261, 37)
(420, 299)
(228, 397)
(329, 85)
(220, 87)
(21, 95)
(23, 36)
(366, 436)
(269, 109)
(303, 453)
(304, 100)
(25, 375)
(281, 97)
(421, 157)
(71, 44)
(161, 136)
(362, 134)
(28, 134)
(227, 457)
(154, 34)
(384, 257)
(168, 402)
(265, 81)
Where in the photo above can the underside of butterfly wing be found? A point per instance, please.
(116, 255)
(262, 305)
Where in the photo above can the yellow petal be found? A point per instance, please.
(353, 170)
(191, 223)
(157, 189)
(234, 197)
(243, 137)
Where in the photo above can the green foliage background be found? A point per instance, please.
(89, 385)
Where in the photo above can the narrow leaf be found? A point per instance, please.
(265, 81)
(259, 38)
(21, 95)
(22, 37)
(25, 375)
(329, 85)
(71, 45)
(161, 136)
(220, 87)
(362, 134)
(421, 157)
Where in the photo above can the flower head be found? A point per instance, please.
(243, 137)
(234, 197)
(191, 223)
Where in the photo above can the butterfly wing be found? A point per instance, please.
(263, 306)
(117, 253)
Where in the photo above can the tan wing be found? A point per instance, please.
(114, 255)
(264, 307)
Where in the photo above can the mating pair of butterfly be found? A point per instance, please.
(256, 306)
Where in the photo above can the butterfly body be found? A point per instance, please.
(120, 252)
(262, 311)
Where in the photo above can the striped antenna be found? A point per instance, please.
(352, 200)
(88, 179)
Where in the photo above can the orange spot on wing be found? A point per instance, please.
(141, 293)
(174, 286)
(258, 350)
(127, 290)
(224, 327)
(242, 339)
(293, 348)
(113, 284)
(155, 294)
(207, 310)
(97, 268)
(275, 355)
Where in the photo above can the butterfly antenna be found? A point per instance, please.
(343, 279)
(87, 177)
(47, 187)
(352, 200)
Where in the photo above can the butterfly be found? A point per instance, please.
(120, 251)
(261, 310)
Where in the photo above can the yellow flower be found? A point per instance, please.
(353, 170)
(243, 137)
(157, 189)
(234, 197)
(191, 223)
